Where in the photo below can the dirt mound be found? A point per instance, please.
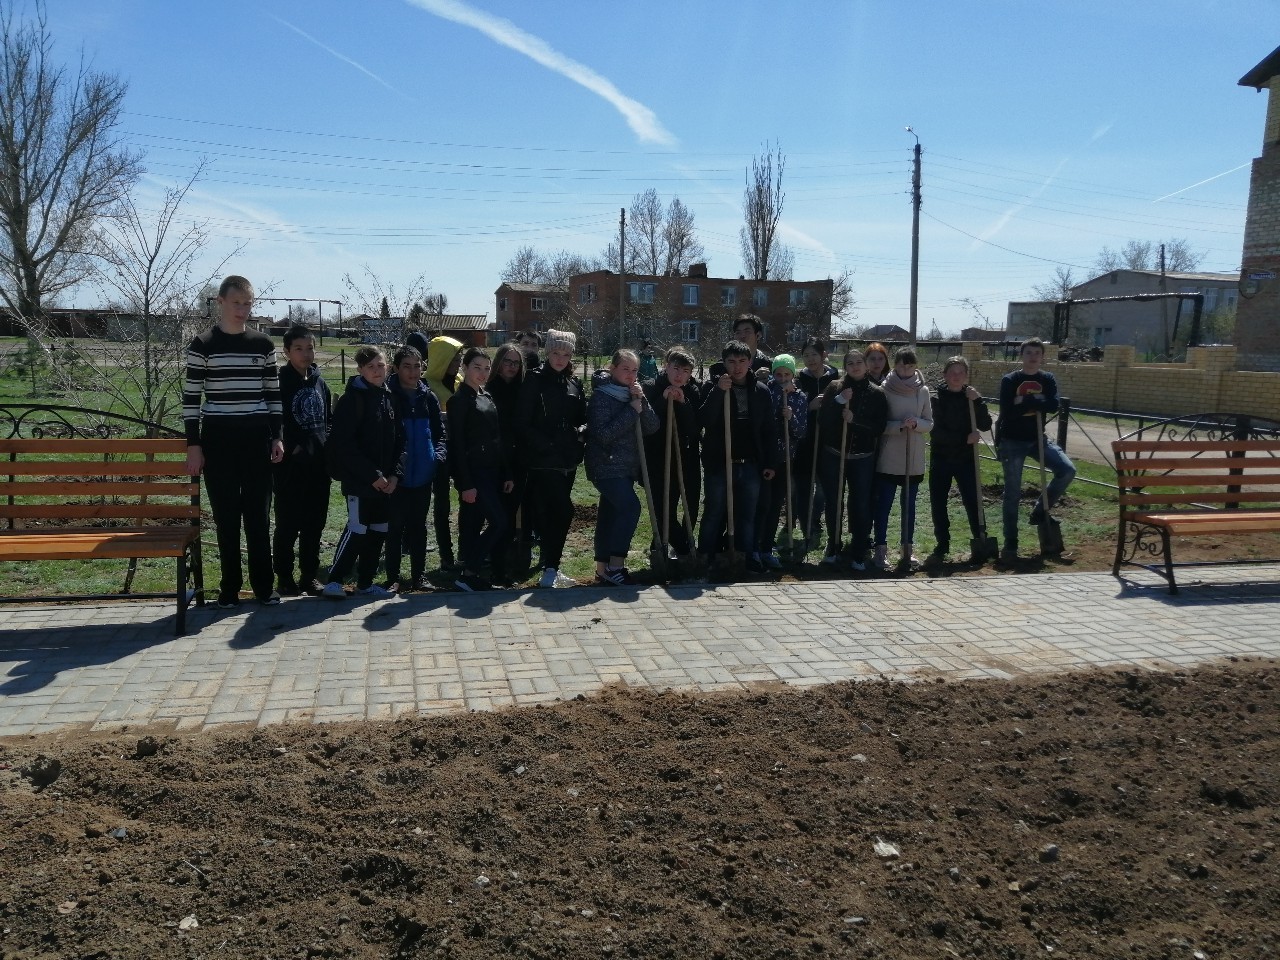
(1113, 814)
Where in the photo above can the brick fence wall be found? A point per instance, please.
(1207, 383)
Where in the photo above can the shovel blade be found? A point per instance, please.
(1050, 532)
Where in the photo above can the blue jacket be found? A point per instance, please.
(798, 401)
(425, 446)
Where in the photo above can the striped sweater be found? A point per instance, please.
(236, 376)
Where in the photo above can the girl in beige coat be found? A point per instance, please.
(901, 452)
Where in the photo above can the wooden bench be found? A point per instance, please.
(1192, 488)
(83, 499)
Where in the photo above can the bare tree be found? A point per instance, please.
(525, 266)
(763, 257)
(378, 294)
(147, 270)
(679, 239)
(1145, 255)
(658, 241)
(62, 168)
(1059, 288)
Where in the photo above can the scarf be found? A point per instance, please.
(615, 390)
(908, 387)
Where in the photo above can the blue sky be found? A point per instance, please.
(434, 137)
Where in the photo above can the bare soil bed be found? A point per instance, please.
(1116, 814)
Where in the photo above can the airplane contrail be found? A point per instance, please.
(329, 50)
(1206, 180)
(643, 122)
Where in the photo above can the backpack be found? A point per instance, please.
(332, 455)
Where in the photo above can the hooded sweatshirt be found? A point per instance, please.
(439, 355)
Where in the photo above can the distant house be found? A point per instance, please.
(982, 334)
(1148, 325)
(886, 331)
(525, 306)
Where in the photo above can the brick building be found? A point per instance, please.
(1258, 314)
(696, 309)
(525, 306)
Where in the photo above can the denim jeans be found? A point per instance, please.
(887, 491)
(617, 517)
(858, 475)
(746, 496)
(1013, 455)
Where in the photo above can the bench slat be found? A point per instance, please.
(99, 488)
(104, 511)
(58, 445)
(88, 544)
(1182, 446)
(1161, 464)
(1203, 525)
(93, 468)
(1202, 496)
(1196, 479)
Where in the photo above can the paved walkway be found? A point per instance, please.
(116, 666)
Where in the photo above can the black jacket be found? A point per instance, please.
(475, 437)
(367, 437)
(950, 435)
(551, 417)
(687, 429)
(764, 435)
(506, 394)
(870, 414)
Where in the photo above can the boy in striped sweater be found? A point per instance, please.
(232, 415)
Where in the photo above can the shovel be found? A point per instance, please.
(904, 555)
(789, 550)
(735, 565)
(1050, 530)
(694, 562)
(666, 471)
(519, 553)
(837, 535)
(984, 547)
(657, 547)
(813, 479)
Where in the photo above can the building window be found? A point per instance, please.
(798, 332)
(587, 293)
(1100, 335)
(728, 296)
(641, 292)
(760, 297)
(1230, 302)
(689, 295)
(502, 304)
(537, 304)
(797, 298)
(1210, 299)
(538, 326)
(689, 331)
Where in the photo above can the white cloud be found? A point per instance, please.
(327, 49)
(643, 122)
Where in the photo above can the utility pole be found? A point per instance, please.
(622, 276)
(1164, 308)
(915, 233)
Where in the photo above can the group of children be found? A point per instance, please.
(774, 454)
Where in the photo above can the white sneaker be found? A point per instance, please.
(374, 590)
(563, 581)
(334, 591)
(549, 578)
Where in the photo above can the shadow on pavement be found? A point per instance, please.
(41, 653)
